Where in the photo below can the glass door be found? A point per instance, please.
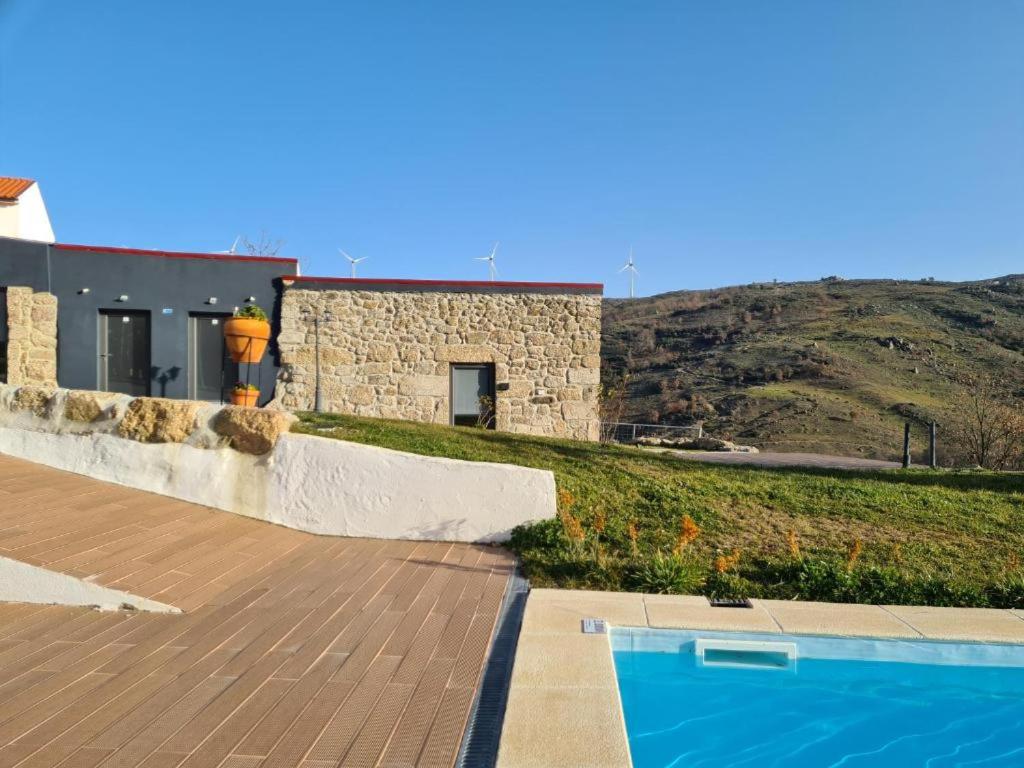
(212, 372)
(124, 352)
(472, 395)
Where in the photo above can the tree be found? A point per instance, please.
(263, 246)
(986, 427)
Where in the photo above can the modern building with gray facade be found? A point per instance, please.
(146, 322)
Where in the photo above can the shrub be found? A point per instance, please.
(546, 534)
(252, 312)
(666, 575)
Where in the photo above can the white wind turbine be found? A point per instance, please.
(352, 261)
(632, 273)
(491, 266)
(233, 249)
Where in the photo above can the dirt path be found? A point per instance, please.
(785, 460)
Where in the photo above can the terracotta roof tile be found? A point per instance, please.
(12, 188)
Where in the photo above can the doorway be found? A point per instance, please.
(211, 371)
(472, 395)
(124, 352)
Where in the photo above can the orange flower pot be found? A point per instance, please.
(246, 339)
(246, 397)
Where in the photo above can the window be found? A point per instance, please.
(472, 395)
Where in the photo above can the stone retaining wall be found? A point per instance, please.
(141, 419)
(31, 336)
(388, 353)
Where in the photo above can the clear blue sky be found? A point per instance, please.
(726, 141)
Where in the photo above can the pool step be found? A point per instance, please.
(751, 654)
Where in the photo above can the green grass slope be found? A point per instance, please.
(809, 366)
(951, 538)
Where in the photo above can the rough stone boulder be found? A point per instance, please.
(33, 399)
(704, 443)
(87, 407)
(159, 420)
(251, 430)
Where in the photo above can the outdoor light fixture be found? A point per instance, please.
(250, 299)
(212, 300)
(123, 297)
(82, 291)
(316, 317)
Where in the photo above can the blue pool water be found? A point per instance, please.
(848, 703)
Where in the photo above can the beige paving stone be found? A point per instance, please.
(561, 612)
(547, 661)
(690, 612)
(977, 624)
(563, 728)
(836, 619)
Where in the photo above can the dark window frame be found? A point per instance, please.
(490, 423)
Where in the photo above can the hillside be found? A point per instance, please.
(831, 366)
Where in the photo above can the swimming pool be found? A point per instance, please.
(714, 699)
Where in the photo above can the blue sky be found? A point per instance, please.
(726, 142)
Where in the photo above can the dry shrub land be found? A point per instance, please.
(828, 367)
(633, 520)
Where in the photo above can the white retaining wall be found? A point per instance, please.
(313, 484)
(24, 583)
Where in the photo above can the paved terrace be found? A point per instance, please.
(293, 649)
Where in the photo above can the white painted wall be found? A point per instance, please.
(24, 583)
(26, 218)
(309, 483)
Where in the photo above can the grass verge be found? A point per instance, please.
(633, 520)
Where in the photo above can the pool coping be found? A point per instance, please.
(563, 703)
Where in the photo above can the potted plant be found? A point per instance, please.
(245, 394)
(246, 334)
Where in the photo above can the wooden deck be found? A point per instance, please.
(293, 649)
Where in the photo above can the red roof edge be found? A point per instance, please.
(174, 254)
(382, 282)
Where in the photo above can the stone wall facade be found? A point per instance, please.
(387, 351)
(31, 336)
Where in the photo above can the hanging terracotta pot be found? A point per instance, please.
(246, 338)
(246, 397)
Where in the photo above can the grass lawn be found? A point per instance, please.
(917, 536)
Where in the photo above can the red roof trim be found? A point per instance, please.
(174, 254)
(372, 281)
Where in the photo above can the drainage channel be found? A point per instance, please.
(483, 731)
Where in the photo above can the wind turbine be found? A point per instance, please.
(233, 249)
(352, 261)
(632, 273)
(491, 267)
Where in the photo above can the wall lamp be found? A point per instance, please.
(250, 299)
(123, 297)
(82, 291)
(212, 300)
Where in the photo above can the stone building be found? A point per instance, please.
(517, 357)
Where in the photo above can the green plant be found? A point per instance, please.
(241, 386)
(666, 575)
(252, 312)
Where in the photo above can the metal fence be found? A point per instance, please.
(624, 432)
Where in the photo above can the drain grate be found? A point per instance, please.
(731, 602)
(483, 731)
